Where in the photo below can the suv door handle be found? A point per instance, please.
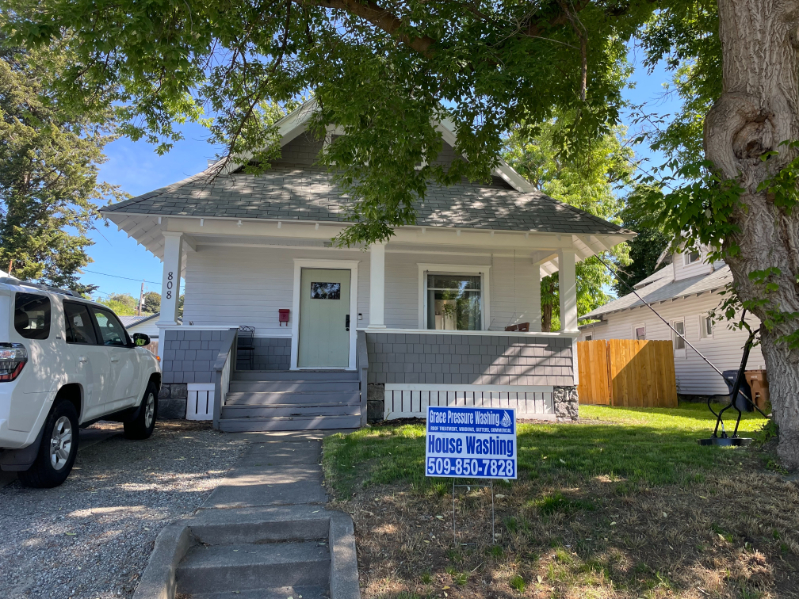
(83, 359)
(115, 359)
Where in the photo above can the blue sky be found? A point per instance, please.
(137, 169)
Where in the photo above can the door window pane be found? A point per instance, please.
(32, 315)
(679, 342)
(454, 303)
(331, 291)
(79, 324)
(111, 330)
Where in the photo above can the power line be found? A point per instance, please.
(105, 274)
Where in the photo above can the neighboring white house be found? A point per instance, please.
(683, 292)
(147, 324)
(427, 310)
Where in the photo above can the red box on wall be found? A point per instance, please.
(283, 316)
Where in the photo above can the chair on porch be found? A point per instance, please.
(245, 346)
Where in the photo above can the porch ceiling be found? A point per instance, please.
(542, 248)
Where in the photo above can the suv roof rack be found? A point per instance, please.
(14, 281)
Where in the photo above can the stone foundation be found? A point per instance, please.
(172, 401)
(375, 402)
(567, 403)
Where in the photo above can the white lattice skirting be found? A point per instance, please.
(411, 401)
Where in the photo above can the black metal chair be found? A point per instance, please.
(245, 345)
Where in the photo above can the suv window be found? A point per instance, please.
(32, 315)
(111, 330)
(79, 324)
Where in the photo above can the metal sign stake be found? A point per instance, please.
(490, 485)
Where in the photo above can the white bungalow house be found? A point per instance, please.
(684, 293)
(146, 323)
(419, 319)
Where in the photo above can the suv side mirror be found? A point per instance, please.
(140, 339)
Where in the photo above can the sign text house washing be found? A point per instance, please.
(471, 442)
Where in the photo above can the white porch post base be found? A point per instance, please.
(377, 286)
(567, 284)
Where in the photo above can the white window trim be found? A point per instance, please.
(686, 258)
(635, 331)
(702, 332)
(457, 269)
(299, 264)
(674, 336)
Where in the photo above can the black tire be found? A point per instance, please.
(50, 470)
(141, 427)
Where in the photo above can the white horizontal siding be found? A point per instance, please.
(683, 271)
(228, 286)
(694, 376)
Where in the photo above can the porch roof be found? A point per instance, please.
(305, 193)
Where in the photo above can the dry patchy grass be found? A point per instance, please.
(710, 524)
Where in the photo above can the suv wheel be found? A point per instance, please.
(142, 426)
(58, 449)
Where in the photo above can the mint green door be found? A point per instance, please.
(324, 306)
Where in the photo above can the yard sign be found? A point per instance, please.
(471, 442)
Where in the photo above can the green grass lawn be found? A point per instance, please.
(632, 446)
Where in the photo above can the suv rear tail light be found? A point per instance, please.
(13, 358)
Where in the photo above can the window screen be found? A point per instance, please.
(640, 333)
(79, 324)
(679, 342)
(454, 302)
(32, 315)
(707, 326)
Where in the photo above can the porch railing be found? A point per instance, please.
(223, 366)
(362, 361)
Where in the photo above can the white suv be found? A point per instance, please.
(66, 362)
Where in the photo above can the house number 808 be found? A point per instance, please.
(169, 284)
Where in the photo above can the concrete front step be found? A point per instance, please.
(266, 398)
(298, 386)
(282, 410)
(219, 568)
(275, 593)
(294, 375)
(299, 423)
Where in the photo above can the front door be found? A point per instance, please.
(324, 319)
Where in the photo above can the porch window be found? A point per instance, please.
(454, 302)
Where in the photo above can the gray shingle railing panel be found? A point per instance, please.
(188, 356)
(396, 358)
(306, 192)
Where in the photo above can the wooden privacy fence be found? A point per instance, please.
(626, 372)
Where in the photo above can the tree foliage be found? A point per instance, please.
(122, 304)
(152, 302)
(49, 155)
(590, 180)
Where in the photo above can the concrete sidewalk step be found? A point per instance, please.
(233, 425)
(275, 593)
(271, 411)
(264, 398)
(300, 386)
(294, 375)
(218, 568)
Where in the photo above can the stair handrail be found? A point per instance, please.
(222, 367)
(362, 358)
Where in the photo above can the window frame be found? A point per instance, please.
(455, 269)
(635, 331)
(588, 337)
(128, 341)
(687, 261)
(674, 335)
(49, 318)
(705, 318)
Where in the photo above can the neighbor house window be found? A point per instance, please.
(589, 337)
(692, 257)
(679, 341)
(640, 333)
(454, 302)
(706, 326)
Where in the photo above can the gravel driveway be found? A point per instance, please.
(91, 537)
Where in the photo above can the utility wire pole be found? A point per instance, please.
(141, 299)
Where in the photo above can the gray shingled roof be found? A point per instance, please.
(666, 288)
(303, 193)
(131, 321)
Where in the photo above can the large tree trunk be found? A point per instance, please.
(759, 108)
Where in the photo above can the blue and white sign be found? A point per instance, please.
(471, 442)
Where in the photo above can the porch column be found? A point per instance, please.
(567, 284)
(377, 286)
(170, 281)
(535, 300)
